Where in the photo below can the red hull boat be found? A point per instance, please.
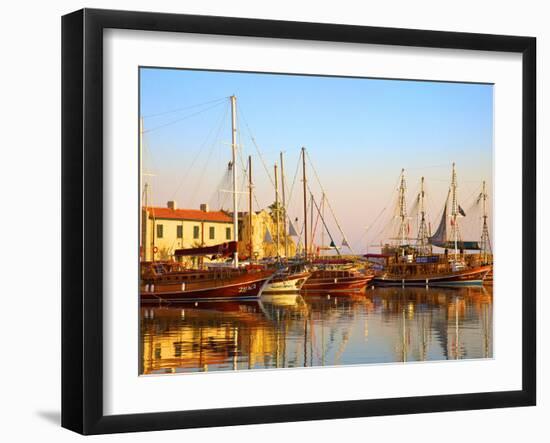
(182, 285)
(336, 280)
(465, 277)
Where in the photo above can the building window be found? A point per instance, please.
(195, 232)
(160, 231)
(228, 233)
(212, 232)
(179, 230)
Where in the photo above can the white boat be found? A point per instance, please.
(287, 281)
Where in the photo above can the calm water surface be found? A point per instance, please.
(286, 331)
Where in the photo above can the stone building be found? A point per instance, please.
(262, 222)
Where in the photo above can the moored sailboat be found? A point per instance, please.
(170, 281)
(327, 276)
(289, 278)
(408, 265)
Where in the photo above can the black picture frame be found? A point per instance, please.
(82, 218)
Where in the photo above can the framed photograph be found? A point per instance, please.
(269, 221)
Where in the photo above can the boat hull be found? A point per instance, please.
(242, 286)
(286, 284)
(468, 277)
(336, 284)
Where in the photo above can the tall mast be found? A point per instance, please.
(422, 228)
(454, 211)
(323, 215)
(311, 239)
(234, 167)
(305, 199)
(251, 244)
(142, 228)
(485, 242)
(277, 208)
(284, 204)
(402, 211)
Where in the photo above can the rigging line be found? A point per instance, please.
(328, 202)
(315, 226)
(324, 223)
(148, 156)
(201, 176)
(293, 182)
(429, 167)
(182, 118)
(308, 207)
(183, 109)
(241, 113)
(223, 115)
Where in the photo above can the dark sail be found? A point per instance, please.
(440, 240)
(440, 235)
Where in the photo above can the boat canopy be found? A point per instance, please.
(224, 250)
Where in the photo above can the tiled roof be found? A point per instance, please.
(189, 214)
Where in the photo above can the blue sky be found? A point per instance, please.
(359, 134)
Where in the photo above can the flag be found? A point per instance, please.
(291, 230)
(461, 211)
(332, 245)
(267, 237)
(345, 243)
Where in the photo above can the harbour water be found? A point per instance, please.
(289, 331)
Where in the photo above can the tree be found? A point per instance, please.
(277, 208)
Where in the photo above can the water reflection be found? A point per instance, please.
(285, 331)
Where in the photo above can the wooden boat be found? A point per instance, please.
(336, 280)
(170, 282)
(408, 265)
(431, 274)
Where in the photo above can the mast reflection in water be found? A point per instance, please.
(287, 331)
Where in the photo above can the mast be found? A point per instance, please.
(234, 167)
(251, 244)
(311, 239)
(277, 208)
(422, 228)
(454, 211)
(284, 204)
(323, 216)
(403, 227)
(142, 227)
(305, 199)
(485, 242)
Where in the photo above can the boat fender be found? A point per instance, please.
(183, 287)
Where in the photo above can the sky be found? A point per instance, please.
(359, 133)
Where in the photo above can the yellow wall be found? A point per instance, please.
(170, 242)
(260, 222)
